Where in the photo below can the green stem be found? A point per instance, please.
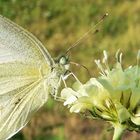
(118, 132)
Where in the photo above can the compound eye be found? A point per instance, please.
(63, 60)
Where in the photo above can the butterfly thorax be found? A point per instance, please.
(58, 72)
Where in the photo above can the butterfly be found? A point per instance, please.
(28, 74)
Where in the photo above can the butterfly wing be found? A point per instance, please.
(20, 108)
(18, 44)
(23, 64)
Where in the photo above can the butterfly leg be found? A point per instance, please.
(56, 97)
(63, 79)
(71, 74)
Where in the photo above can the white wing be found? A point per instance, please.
(19, 110)
(17, 44)
(23, 63)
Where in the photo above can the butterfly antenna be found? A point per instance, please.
(77, 64)
(87, 33)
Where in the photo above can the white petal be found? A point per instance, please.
(70, 100)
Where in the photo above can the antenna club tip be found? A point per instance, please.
(106, 14)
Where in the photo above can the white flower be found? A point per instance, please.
(114, 96)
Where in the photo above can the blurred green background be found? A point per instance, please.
(59, 24)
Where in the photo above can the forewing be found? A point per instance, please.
(24, 64)
(17, 44)
(22, 57)
(20, 108)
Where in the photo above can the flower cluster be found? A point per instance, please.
(114, 96)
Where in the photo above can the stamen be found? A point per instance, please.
(105, 61)
(100, 66)
(120, 58)
(105, 55)
(117, 55)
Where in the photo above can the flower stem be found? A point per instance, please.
(118, 132)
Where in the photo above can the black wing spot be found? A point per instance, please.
(17, 101)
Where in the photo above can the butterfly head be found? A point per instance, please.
(64, 61)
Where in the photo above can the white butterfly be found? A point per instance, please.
(28, 75)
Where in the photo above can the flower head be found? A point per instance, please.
(114, 96)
